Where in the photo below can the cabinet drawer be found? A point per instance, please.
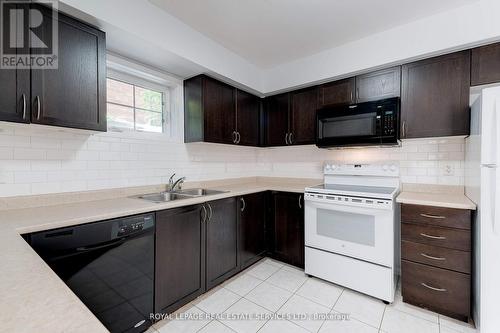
(438, 216)
(444, 237)
(436, 256)
(437, 289)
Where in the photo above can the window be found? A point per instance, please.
(135, 107)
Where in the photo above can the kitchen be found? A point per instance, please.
(270, 182)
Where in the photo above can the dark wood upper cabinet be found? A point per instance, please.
(286, 230)
(435, 96)
(378, 85)
(485, 64)
(252, 222)
(14, 87)
(304, 104)
(337, 92)
(248, 108)
(74, 94)
(180, 257)
(218, 111)
(222, 244)
(276, 119)
(15, 95)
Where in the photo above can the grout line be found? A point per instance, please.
(382, 319)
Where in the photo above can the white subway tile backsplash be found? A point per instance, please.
(14, 141)
(21, 177)
(97, 145)
(28, 154)
(35, 160)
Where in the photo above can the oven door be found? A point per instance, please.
(351, 230)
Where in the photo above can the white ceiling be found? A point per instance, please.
(272, 32)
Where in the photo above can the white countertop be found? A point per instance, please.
(33, 298)
(447, 200)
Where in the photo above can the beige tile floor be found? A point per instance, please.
(273, 287)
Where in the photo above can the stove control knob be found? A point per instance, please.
(328, 167)
(385, 167)
(334, 167)
(393, 168)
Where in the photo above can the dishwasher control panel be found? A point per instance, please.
(131, 225)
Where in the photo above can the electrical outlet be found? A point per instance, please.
(449, 170)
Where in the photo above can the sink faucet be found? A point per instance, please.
(177, 184)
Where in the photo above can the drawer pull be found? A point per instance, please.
(438, 217)
(431, 257)
(433, 237)
(432, 288)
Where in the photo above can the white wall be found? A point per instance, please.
(458, 28)
(35, 160)
(163, 38)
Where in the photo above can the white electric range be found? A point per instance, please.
(352, 228)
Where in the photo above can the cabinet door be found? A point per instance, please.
(303, 116)
(247, 118)
(337, 92)
(378, 85)
(435, 96)
(180, 257)
(218, 111)
(485, 66)
(14, 89)
(287, 241)
(74, 95)
(222, 234)
(277, 120)
(252, 241)
(193, 109)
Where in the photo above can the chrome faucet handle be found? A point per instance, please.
(171, 182)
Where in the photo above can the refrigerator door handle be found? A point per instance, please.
(496, 202)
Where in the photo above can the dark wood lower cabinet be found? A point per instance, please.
(180, 257)
(200, 246)
(286, 228)
(436, 258)
(222, 244)
(252, 222)
(436, 289)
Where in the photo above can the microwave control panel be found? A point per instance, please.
(389, 122)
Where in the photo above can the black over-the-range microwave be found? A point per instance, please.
(364, 124)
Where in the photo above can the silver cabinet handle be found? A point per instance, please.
(38, 107)
(204, 213)
(351, 97)
(433, 216)
(244, 205)
(286, 138)
(290, 138)
(431, 257)
(210, 212)
(300, 201)
(403, 129)
(433, 288)
(238, 137)
(433, 237)
(24, 106)
(233, 136)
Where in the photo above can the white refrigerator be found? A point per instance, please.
(482, 181)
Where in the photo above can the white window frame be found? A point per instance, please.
(128, 71)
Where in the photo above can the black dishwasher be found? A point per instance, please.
(109, 265)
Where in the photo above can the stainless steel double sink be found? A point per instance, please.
(178, 195)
